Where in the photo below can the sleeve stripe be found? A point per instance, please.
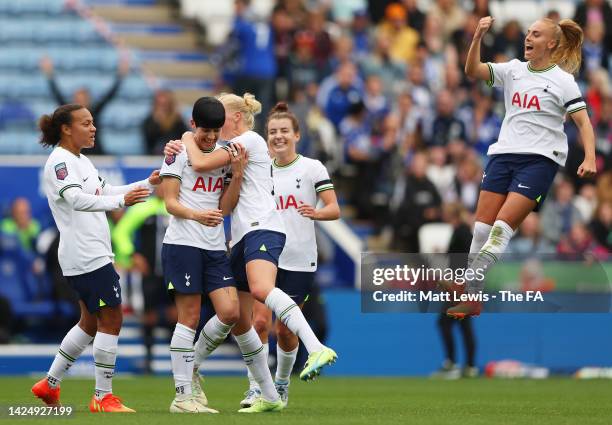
(61, 192)
(571, 102)
(577, 109)
(491, 76)
(324, 188)
(322, 183)
(171, 175)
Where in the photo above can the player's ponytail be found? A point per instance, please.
(280, 111)
(51, 125)
(568, 53)
(247, 105)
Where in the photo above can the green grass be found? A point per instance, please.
(392, 401)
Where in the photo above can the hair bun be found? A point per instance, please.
(280, 107)
(252, 104)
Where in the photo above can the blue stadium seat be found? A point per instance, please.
(123, 142)
(43, 7)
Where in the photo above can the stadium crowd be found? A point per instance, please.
(383, 102)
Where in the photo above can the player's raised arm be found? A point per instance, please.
(474, 68)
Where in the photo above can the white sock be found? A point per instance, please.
(105, 354)
(285, 361)
(253, 354)
(69, 350)
(211, 336)
(181, 356)
(489, 254)
(288, 312)
(481, 234)
(252, 382)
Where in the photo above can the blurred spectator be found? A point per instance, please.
(450, 15)
(408, 122)
(511, 41)
(467, 182)
(164, 123)
(597, 93)
(283, 26)
(296, 10)
(601, 225)
(415, 18)
(137, 240)
(529, 241)
(360, 32)
(356, 133)
(559, 214)
(256, 68)
(343, 10)
(375, 100)
(445, 126)
(578, 243)
(459, 246)
(441, 173)
(595, 54)
(482, 123)
(21, 225)
(343, 52)
(420, 91)
(380, 62)
(83, 97)
(303, 68)
(419, 204)
(338, 91)
(481, 8)
(586, 202)
(590, 12)
(324, 46)
(403, 40)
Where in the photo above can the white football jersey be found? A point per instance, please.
(295, 184)
(198, 191)
(536, 103)
(85, 242)
(256, 209)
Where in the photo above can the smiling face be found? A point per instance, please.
(540, 41)
(82, 131)
(282, 138)
(206, 138)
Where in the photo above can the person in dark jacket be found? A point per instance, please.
(83, 97)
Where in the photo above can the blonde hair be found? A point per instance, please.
(247, 105)
(568, 52)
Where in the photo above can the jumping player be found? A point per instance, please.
(532, 145)
(78, 198)
(298, 183)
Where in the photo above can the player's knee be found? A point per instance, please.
(229, 316)
(260, 292)
(260, 324)
(283, 333)
(110, 320)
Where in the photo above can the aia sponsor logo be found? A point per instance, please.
(526, 101)
(211, 184)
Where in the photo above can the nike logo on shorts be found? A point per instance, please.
(226, 278)
(523, 187)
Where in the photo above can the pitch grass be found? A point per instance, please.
(329, 400)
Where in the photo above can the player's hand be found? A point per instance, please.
(307, 211)
(210, 218)
(136, 196)
(239, 159)
(154, 178)
(173, 147)
(587, 169)
(46, 65)
(483, 26)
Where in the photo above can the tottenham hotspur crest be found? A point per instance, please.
(298, 181)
